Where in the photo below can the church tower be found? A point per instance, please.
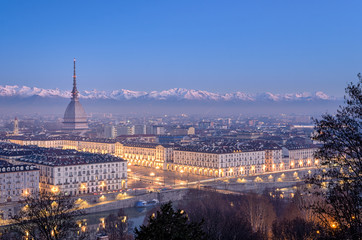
(75, 117)
(16, 127)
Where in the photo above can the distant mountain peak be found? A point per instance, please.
(170, 94)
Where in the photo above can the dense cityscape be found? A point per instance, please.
(102, 163)
(180, 120)
(109, 159)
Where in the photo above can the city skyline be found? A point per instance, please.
(187, 120)
(157, 46)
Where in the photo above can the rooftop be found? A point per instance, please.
(8, 167)
(144, 145)
(224, 146)
(71, 159)
(55, 157)
(70, 138)
(296, 147)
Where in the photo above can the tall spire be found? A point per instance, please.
(74, 91)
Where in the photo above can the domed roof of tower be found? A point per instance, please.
(75, 112)
(75, 117)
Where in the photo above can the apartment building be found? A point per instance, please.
(219, 159)
(17, 181)
(74, 173)
(145, 154)
(299, 156)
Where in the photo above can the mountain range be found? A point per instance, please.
(165, 95)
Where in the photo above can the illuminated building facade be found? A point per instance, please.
(145, 154)
(273, 160)
(75, 173)
(218, 164)
(301, 156)
(16, 182)
(226, 159)
(103, 146)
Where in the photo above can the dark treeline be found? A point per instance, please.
(249, 216)
(203, 214)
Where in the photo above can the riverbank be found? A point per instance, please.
(162, 197)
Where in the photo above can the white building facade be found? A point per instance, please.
(236, 163)
(301, 156)
(17, 181)
(145, 154)
(77, 177)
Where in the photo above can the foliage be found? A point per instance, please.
(168, 224)
(47, 216)
(335, 192)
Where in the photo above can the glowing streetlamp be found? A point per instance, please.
(55, 189)
(152, 174)
(187, 182)
(102, 198)
(102, 186)
(26, 192)
(83, 187)
(334, 225)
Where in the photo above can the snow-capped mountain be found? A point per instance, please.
(171, 94)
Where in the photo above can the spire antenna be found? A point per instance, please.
(74, 91)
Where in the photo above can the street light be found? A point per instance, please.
(181, 171)
(55, 189)
(187, 177)
(333, 225)
(152, 175)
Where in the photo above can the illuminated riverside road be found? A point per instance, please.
(144, 177)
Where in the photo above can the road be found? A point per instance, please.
(143, 177)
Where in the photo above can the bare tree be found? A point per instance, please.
(116, 226)
(223, 215)
(48, 217)
(296, 229)
(259, 212)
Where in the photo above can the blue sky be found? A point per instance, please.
(220, 46)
